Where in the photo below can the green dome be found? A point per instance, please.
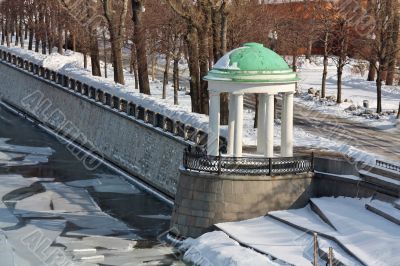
(252, 63)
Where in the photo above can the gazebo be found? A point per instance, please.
(251, 69)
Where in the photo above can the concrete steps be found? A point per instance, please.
(397, 204)
(384, 172)
(321, 214)
(385, 210)
(325, 230)
(385, 182)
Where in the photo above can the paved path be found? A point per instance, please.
(385, 143)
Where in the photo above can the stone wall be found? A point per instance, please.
(205, 199)
(140, 148)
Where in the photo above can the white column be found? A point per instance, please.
(238, 140)
(262, 110)
(269, 126)
(287, 125)
(213, 126)
(231, 124)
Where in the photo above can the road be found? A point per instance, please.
(385, 143)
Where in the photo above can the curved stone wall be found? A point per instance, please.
(206, 199)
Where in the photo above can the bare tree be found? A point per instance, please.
(383, 45)
(140, 45)
(115, 14)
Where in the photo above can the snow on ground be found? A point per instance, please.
(216, 248)
(355, 90)
(357, 235)
(305, 139)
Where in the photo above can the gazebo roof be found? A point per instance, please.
(252, 63)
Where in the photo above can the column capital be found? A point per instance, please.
(239, 93)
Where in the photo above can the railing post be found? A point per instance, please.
(219, 163)
(185, 154)
(315, 239)
(312, 162)
(330, 256)
(270, 166)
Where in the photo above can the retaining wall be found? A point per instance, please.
(146, 144)
(206, 199)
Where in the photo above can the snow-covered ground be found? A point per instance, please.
(357, 235)
(217, 248)
(355, 90)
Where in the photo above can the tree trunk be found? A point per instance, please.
(95, 55)
(391, 72)
(372, 70)
(224, 29)
(153, 66)
(165, 78)
(8, 41)
(37, 42)
(379, 91)
(393, 51)
(136, 73)
(176, 80)
(44, 46)
(216, 34)
(16, 35)
(3, 39)
(21, 34)
(105, 54)
(294, 63)
(73, 38)
(325, 71)
(60, 40)
(339, 82)
(140, 44)
(116, 49)
(66, 40)
(194, 69)
(220, 24)
(203, 61)
(398, 113)
(309, 49)
(85, 61)
(133, 66)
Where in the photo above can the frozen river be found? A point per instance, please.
(54, 211)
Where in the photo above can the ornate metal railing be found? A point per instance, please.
(388, 165)
(197, 160)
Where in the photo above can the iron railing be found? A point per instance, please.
(197, 160)
(388, 165)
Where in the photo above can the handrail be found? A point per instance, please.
(388, 165)
(196, 159)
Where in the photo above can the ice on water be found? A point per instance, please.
(16, 155)
(106, 183)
